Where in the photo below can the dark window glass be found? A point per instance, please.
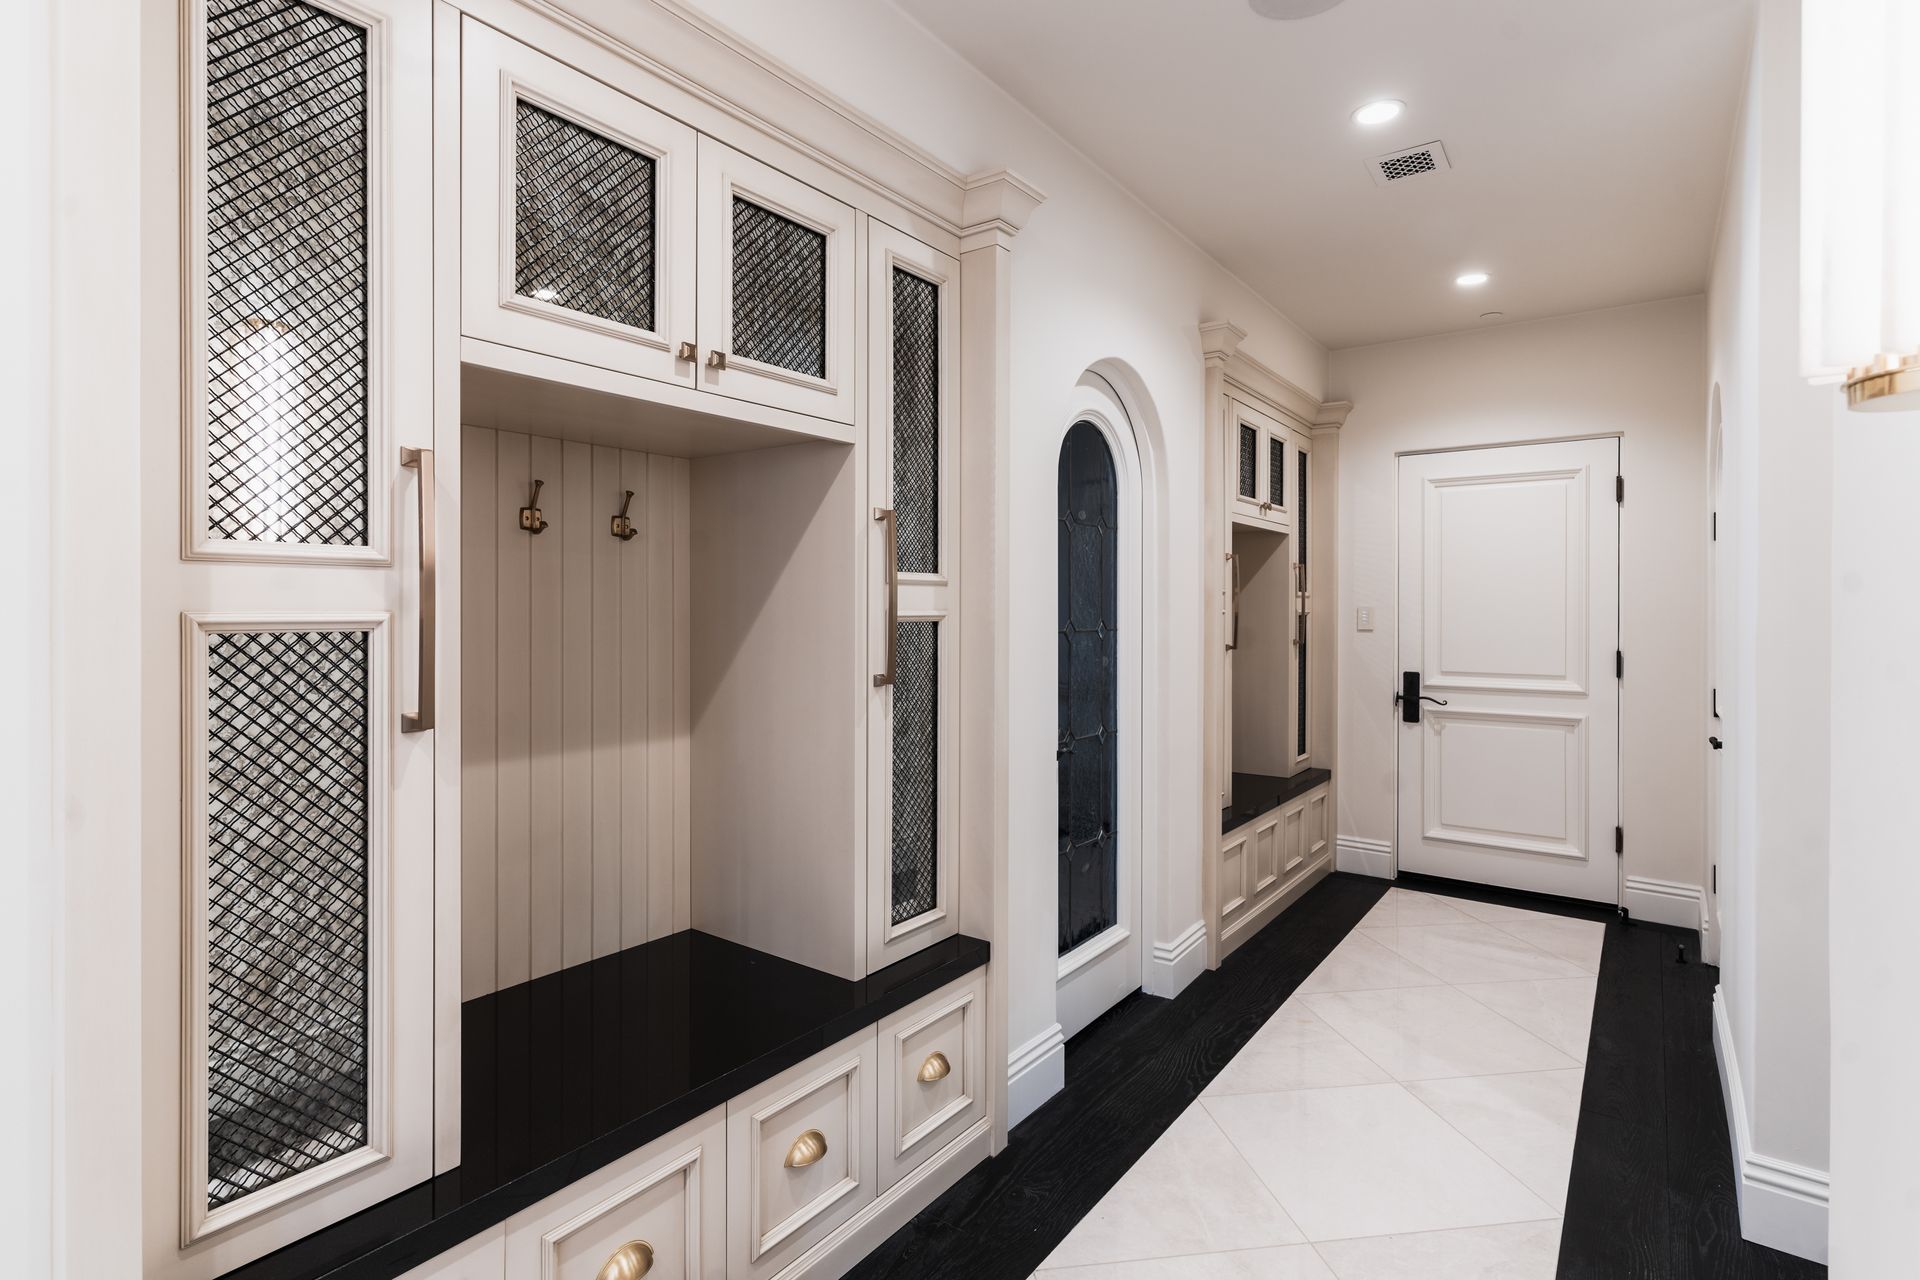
(1088, 746)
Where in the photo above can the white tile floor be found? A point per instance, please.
(1409, 1112)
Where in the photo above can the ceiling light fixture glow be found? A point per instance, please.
(1379, 112)
(1290, 10)
(1472, 279)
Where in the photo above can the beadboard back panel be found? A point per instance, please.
(575, 738)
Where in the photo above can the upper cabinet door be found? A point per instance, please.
(777, 272)
(1258, 465)
(577, 214)
(913, 310)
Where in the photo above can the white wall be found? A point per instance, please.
(1096, 277)
(1638, 372)
(1776, 517)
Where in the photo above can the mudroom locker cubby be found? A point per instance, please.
(1269, 500)
(574, 870)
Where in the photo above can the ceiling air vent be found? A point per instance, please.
(1415, 162)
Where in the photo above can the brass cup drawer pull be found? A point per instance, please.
(936, 1067)
(629, 1262)
(806, 1149)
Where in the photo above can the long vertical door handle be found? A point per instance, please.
(885, 516)
(1233, 642)
(420, 721)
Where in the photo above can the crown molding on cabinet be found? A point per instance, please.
(996, 205)
(1220, 343)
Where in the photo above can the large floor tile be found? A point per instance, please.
(1473, 953)
(1559, 1011)
(1360, 963)
(1296, 1049)
(1369, 1160)
(1427, 1033)
(1191, 1193)
(1298, 1262)
(1524, 1121)
(1403, 906)
(1494, 912)
(1575, 941)
(1520, 1251)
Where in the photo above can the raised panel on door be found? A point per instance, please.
(932, 1075)
(913, 472)
(578, 214)
(304, 1040)
(1509, 615)
(778, 262)
(801, 1157)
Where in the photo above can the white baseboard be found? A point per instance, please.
(1035, 1072)
(1782, 1205)
(1174, 964)
(1662, 902)
(1363, 857)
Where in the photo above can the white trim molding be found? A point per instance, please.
(1174, 964)
(1783, 1205)
(1363, 857)
(1662, 902)
(1035, 1072)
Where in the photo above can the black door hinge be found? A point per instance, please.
(1619, 665)
(1619, 488)
(1619, 839)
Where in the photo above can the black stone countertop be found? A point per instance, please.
(567, 1073)
(1256, 793)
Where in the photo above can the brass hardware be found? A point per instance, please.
(420, 721)
(1233, 640)
(688, 352)
(1889, 384)
(806, 1149)
(1266, 508)
(936, 1067)
(716, 359)
(885, 514)
(629, 1262)
(530, 518)
(622, 527)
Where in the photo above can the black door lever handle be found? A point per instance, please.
(1409, 698)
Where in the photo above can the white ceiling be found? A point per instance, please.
(1589, 140)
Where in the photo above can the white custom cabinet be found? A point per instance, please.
(577, 214)
(932, 1076)
(913, 314)
(1260, 450)
(777, 265)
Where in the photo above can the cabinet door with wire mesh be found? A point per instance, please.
(577, 213)
(913, 472)
(777, 267)
(305, 1042)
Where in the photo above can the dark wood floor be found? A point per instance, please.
(1651, 1194)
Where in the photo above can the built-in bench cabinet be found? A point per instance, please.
(570, 593)
(1270, 490)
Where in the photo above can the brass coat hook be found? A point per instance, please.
(530, 518)
(622, 527)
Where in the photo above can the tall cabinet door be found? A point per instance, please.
(777, 270)
(306, 752)
(577, 214)
(913, 471)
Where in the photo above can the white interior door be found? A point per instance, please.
(1509, 618)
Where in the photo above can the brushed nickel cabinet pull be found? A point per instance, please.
(716, 359)
(1233, 639)
(885, 516)
(421, 720)
(806, 1149)
(630, 1261)
(688, 352)
(936, 1067)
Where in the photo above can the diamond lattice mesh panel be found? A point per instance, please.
(1300, 477)
(1300, 705)
(1087, 750)
(916, 421)
(916, 770)
(1249, 449)
(1277, 470)
(583, 226)
(779, 290)
(286, 258)
(287, 867)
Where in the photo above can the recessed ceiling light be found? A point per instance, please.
(1288, 10)
(1379, 112)
(1472, 279)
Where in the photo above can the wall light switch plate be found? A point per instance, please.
(1363, 618)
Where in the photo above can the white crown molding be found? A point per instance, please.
(1220, 343)
(994, 207)
(1363, 857)
(1662, 901)
(1783, 1205)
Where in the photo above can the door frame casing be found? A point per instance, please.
(1619, 604)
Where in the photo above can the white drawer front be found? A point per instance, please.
(665, 1205)
(800, 1157)
(931, 1075)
